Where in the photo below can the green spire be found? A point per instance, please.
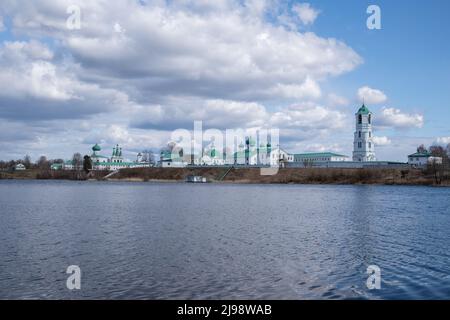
(363, 110)
(96, 148)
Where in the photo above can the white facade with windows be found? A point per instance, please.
(363, 146)
(422, 159)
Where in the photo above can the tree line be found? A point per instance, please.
(79, 162)
(440, 171)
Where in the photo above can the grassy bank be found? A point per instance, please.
(287, 175)
(249, 175)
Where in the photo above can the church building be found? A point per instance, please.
(363, 146)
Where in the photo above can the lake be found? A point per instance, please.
(222, 241)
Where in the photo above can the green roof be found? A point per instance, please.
(363, 110)
(420, 154)
(96, 148)
(113, 163)
(318, 154)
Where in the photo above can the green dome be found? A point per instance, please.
(96, 148)
(363, 110)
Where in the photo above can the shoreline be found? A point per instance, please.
(216, 175)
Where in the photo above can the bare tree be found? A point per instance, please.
(27, 161)
(148, 156)
(308, 163)
(43, 163)
(438, 151)
(87, 164)
(77, 161)
(437, 170)
(421, 149)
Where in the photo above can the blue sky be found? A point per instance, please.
(408, 58)
(133, 73)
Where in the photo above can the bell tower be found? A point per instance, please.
(363, 146)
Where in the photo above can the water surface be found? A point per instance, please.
(205, 241)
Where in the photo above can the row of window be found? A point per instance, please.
(360, 145)
(312, 159)
(359, 134)
(369, 119)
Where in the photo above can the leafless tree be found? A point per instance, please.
(308, 163)
(437, 170)
(438, 151)
(77, 161)
(148, 156)
(27, 161)
(43, 163)
(421, 149)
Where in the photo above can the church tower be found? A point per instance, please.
(363, 146)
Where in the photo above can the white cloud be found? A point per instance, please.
(336, 100)
(308, 116)
(42, 88)
(382, 141)
(2, 25)
(172, 62)
(443, 140)
(305, 12)
(308, 89)
(391, 117)
(319, 147)
(216, 113)
(371, 96)
(16, 51)
(223, 50)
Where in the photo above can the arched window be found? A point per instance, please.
(359, 119)
(370, 118)
(359, 134)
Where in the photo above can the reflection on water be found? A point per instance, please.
(144, 240)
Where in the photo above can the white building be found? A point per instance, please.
(212, 157)
(19, 167)
(363, 146)
(173, 159)
(422, 159)
(264, 155)
(318, 157)
(101, 162)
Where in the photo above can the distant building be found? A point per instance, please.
(57, 166)
(175, 160)
(363, 146)
(422, 159)
(264, 155)
(101, 162)
(19, 167)
(213, 157)
(314, 158)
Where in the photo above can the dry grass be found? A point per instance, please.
(249, 175)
